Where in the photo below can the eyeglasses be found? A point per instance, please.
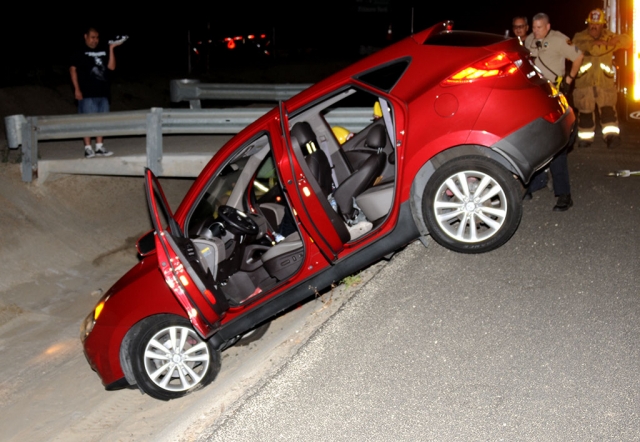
(519, 26)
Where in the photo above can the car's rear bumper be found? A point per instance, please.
(534, 145)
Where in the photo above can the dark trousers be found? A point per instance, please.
(559, 173)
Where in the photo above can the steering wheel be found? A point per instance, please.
(238, 221)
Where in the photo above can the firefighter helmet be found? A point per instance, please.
(377, 110)
(596, 16)
(341, 134)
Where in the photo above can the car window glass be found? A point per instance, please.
(385, 77)
(266, 179)
(355, 113)
(228, 187)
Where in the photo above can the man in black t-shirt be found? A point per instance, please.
(90, 70)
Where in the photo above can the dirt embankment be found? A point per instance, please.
(72, 219)
(76, 219)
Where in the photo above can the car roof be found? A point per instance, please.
(439, 42)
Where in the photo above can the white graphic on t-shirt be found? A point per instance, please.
(98, 71)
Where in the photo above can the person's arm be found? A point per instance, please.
(617, 41)
(76, 86)
(112, 58)
(621, 41)
(575, 66)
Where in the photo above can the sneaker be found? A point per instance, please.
(88, 152)
(102, 152)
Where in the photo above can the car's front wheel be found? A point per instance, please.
(472, 204)
(169, 359)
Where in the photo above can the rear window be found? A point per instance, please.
(463, 38)
(385, 77)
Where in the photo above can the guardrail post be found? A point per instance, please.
(29, 149)
(183, 90)
(13, 125)
(154, 140)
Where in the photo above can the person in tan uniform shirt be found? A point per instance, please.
(550, 49)
(595, 83)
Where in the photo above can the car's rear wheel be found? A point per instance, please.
(169, 359)
(472, 204)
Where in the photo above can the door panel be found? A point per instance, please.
(179, 263)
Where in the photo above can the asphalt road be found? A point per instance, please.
(537, 340)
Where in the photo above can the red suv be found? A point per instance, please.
(295, 203)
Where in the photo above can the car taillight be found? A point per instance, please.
(552, 117)
(497, 65)
(563, 105)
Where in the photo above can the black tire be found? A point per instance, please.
(472, 204)
(172, 374)
(253, 335)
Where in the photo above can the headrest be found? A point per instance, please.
(377, 137)
(305, 136)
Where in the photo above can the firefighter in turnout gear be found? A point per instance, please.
(595, 85)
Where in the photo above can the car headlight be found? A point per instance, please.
(90, 321)
(86, 326)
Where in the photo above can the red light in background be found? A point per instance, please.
(231, 44)
(251, 36)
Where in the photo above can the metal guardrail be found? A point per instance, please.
(28, 131)
(193, 91)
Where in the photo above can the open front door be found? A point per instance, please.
(178, 260)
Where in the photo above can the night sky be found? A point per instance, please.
(39, 41)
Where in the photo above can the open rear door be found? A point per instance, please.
(179, 263)
(324, 225)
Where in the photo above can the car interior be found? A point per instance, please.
(243, 228)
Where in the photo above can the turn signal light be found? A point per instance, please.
(98, 310)
(497, 65)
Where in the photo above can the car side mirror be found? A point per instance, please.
(146, 244)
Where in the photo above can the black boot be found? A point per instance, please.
(612, 141)
(564, 202)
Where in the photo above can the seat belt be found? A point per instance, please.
(325, 148)
(391, 131)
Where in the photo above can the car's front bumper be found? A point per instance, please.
(534, 145)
